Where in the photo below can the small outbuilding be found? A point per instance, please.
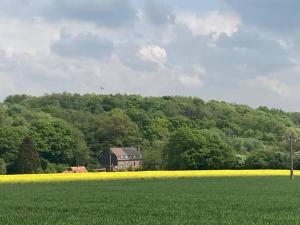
(76, 169)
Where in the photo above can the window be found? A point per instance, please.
(127, 164)
(133, 163)
(126, 157)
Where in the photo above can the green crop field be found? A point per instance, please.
(219, 200)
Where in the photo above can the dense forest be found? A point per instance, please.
(172, 132)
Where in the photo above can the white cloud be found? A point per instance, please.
(190, 80)
(23, 37)
(210, 23)
(195, 79)
(153, 53)
(40, 75)
(270, 84)
(284, 44)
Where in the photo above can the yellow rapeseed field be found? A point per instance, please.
(58, 177)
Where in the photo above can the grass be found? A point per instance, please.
(207, 200)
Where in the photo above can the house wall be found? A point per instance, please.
(124, 164)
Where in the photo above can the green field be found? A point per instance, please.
(239, 200)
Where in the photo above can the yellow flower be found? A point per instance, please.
(58, 177)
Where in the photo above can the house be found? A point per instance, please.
(77, 169)
(122, 159)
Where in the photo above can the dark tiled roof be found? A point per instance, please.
(131, 152)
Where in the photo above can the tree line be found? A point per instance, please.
(173, 132)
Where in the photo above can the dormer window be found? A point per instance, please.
(126, 157)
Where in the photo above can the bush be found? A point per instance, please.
(93, 165)
(266, 159)
(55, 168)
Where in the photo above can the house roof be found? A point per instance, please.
(130, 152)
(117, 151)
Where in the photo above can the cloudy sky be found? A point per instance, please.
(238, 51)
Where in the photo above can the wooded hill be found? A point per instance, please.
(172, 132)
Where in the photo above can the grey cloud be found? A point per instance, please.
(109, 13)
(275, 15)
(253, 51)
(256, 49)
(19, 8)
(157, 12)
(241, 56)
(102, 12)
(83, 45)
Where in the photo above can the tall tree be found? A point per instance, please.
(28, 160)
(2, 166)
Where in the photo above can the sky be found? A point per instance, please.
(231, 50)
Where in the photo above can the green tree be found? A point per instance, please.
(81, 151)
(53, 138)
(10, 140)
(28, 160)
(198, 149)
(153, 156)
(4, 118)
(257, 160)
(116, 128)
(146, 122)
(2, 166)
(158, 129)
